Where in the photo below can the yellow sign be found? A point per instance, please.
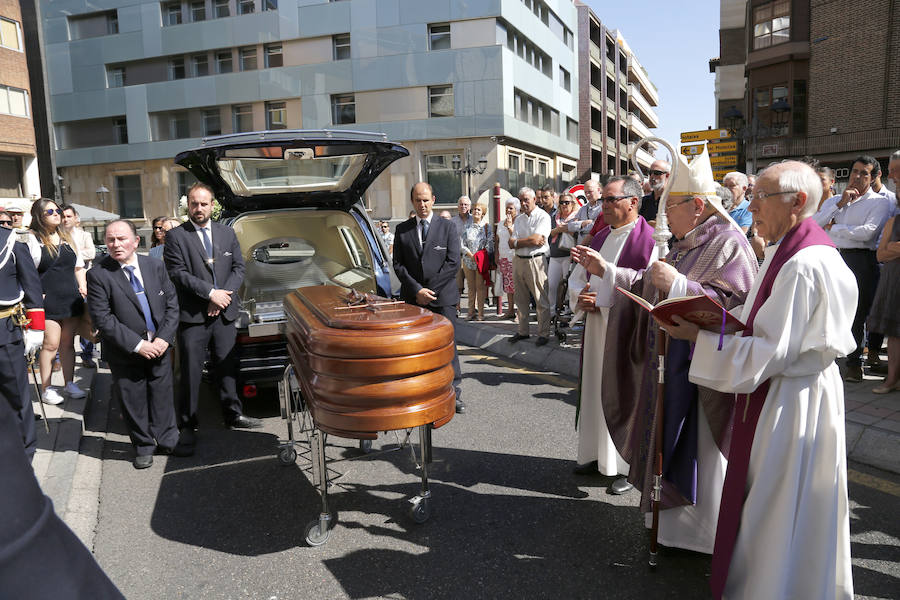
(730, 146)
(724, 161)
(703, 134)
(692, 150)
(719, 174)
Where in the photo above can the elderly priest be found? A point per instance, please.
(784, 527)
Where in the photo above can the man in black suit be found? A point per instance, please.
(205, 264)
(426, 259)
(134, 307)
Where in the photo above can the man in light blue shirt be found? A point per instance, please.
(736, 182)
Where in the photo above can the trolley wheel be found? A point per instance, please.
(314, 534)
(287, 455)
(365, 446)
(420, 511)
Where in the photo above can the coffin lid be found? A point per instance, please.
(336, 309)
(291, 168)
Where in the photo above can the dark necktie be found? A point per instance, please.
(424, 225)
(207, 243)
(142, 298)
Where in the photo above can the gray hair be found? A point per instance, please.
(515, 202)
(630, 187)
(739, 178)
(525, 190)
(725, 194)
(895, 156)
(799, 176)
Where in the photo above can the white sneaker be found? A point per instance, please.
(52, 396)
(74, 391)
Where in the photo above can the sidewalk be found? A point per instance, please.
(872, 421)
(68, 461)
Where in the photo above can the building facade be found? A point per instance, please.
(818, 80)
(135, 83)
(19, 178)
(616, 100)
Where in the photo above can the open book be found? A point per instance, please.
(702, 311)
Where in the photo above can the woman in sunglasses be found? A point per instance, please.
(5, 219)
(160, 226)
(63, 279)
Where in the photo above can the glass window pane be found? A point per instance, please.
(274, 57)
(4, 100)
(445, 182)
(9, 34)
(248, 59)
(223, 61)
(212, 123)
(18, 104)
(198, 11)
(245, 7)
(222, 9)
(128, 192)
(441, 101)
(276, 115)
(439, 37)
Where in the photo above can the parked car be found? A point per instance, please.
(294, 199)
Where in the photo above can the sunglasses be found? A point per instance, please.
(157, 227)
(657, 173)
(565, 202)
(51, 211)
(5, 223)
(611, 199)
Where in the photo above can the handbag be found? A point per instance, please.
(566, 241)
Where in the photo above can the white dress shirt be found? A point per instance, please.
(139, 277)
(419, 226)
(858, 224)
(527, 225)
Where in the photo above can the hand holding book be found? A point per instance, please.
(701, 311)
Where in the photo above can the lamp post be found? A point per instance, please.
(102, 191)
(751, 132)
(468, 169)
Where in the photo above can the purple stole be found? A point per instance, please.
(635, 255)
(807, 233)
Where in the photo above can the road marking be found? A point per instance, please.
(876, 483)
(551, 378)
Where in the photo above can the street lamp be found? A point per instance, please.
(101, 194)
(734, 119)
(469, 170)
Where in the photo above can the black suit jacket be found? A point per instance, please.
(434, 267)
(192, 275)
(18, 275)
(116, 312)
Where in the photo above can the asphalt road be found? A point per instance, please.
(509, 520)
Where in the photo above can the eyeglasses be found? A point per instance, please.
(763, 195)
(657, 173)
(4, 222)
(51, 211)
(611, 199)
(671, 206)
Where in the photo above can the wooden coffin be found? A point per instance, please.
(367, 364)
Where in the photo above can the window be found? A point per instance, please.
(439, 37)
(212, 122)
(341, 46)
(112, 22)
(13, 101)
(270, 4)
(172, 13)
(248, 58)
(222, 8)
(529, 165)
(542, 168)
(343, 109)
(514, 162)
(94, 24)
(184, 180)
(762, 97)
(179, 126)
(223, 61)
(243, 118)
(201, 65)
(440, 101)
(445, 182)
(771, 24)
(128, 194)
(572, 130)
(10, 34)
(565, 79)
(120, 131)
(276, 115)
(245, 7)
(176, 68)
(198, 11)
(115, 77)
(274, 57)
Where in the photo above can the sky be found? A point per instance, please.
(674, 41)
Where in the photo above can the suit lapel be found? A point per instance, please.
(152, 287)
(120, 279)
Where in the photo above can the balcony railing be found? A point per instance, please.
(635, 97)
(636, 72)
(638, 127)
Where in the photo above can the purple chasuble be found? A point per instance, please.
(807, 233)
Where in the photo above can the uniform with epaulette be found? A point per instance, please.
(21, 329)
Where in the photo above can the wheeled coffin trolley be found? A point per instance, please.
(360, 365)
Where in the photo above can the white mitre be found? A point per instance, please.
(694, 178)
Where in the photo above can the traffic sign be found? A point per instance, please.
(692, 150)
(703, 134)
(723, 146)
(719, 174)
(724, 161)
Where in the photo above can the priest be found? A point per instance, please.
(626, 241)
(784, 525)
(710, 256)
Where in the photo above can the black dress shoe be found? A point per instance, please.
(518, 336)
(588, 468)
(620, 486)
(460, 406)
(541, 341)
(142, 461)
(244, 422)
(164, 450)
(187, 440)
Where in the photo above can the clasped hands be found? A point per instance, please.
(218, 301)
(154, 349)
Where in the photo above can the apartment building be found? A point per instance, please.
(133, 84)
(817, 79)
(18, 162)
(616, 97)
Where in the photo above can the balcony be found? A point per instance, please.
(637, 126)
(635, 97)
(636, 73)
(596, 138)
(610, 67)
(596, 97)
(645, 159)
(596, 56)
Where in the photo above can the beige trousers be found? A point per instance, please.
(530, 280)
